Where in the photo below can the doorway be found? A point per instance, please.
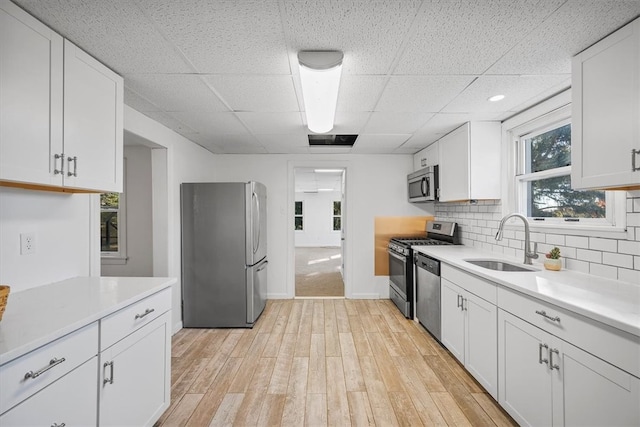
(319, 224)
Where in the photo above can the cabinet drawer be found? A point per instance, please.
(70, 351)
(71, 400)
(617, 347)
(123, 322)
(477, 286)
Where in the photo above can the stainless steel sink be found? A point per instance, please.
(497, 265)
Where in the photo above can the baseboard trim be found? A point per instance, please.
(278, 296)
(176, 327)
(364, 296)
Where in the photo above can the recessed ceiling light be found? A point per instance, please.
(326, 189)
(496, 98)
(327, 170)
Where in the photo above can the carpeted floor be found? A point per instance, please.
(318, 272)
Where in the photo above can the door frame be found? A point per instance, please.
(346, 244)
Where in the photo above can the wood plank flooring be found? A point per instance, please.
(323, 362)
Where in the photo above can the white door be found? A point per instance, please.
(452, 319)
(136, 370)
(31, 101)
(93, 122)
(525, 390)
(481, 342)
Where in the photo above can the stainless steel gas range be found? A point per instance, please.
(401, 267)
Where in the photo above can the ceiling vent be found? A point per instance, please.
(332, 140)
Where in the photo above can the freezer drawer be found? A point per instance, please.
(256, 291)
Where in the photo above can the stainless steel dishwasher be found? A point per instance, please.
(428, 293)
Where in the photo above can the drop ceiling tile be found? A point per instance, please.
(548, 48)
(406, 150)
(368, 32)
(169, 121)
(517, 90)
(359, 93)
(256, 93)
(116, 32)
(137, 102)
(467, 37)
(378, 143)
(291, 140)
(275, 123)
(441, 124)
(391, 123)
(224, 36)
(349, 123)
(212, 124)
(421, 93)
(175, 92)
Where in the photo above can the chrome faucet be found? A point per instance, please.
(528, 254)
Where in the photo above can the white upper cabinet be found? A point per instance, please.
(470, 162)
(93, 122)
(61, 111)
(606, 112)
(31, 102)
(429, 156)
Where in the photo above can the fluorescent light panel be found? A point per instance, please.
(320, 77)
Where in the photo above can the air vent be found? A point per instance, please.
(332, 140)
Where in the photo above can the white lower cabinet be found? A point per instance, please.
(135, 376)
(469, 332)
(69, 401)
(546, 381)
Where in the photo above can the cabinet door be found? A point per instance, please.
(31, 101)
(481, 342)
(70, 401)
(428, 157)
(594, 392)
(525, 390)
(135, 376)
(93, 126)
(452, 319)
(454, 165)
(606, 111)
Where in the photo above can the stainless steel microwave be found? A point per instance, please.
(423, 185)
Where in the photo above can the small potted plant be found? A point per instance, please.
(552, 261)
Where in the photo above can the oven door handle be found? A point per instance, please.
(398, 257)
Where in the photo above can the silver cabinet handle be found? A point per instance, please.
(546, 316)
(57, 171)
(459, 305)
(552, 365)
(58, 425)
(108, 380)
(146, 312)
(73, 159)
(634, 153)
(52, 363)
(540, 359)
(465, 307)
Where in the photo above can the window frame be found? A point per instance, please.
(120, 257)
(544, 117)
(333, 216)
(296, 215)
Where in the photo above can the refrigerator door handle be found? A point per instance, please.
(256, 242)
(264, 265)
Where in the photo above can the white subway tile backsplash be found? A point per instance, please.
(600, 244)
(605, 271)
(619, 260)
(611, 258)
(577, 242)
(626, 247)
(555, 239)
(587, 255)
(631, 276)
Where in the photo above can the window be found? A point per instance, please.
(113, 227)
(298, 218)
(337, 216)
(543, 175)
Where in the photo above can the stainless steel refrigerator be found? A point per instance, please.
(224, 254)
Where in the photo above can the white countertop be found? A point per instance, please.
(611, 302)
(37, 316)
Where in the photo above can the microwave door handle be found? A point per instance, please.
(423, 186)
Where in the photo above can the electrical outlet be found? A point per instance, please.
(27, 243)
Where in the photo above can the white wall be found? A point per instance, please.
(138, 192)
(375, 186)
(317, 219)
(61, 223)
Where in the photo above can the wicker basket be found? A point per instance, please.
(4, 296)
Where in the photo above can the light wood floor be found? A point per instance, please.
(323, 362)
